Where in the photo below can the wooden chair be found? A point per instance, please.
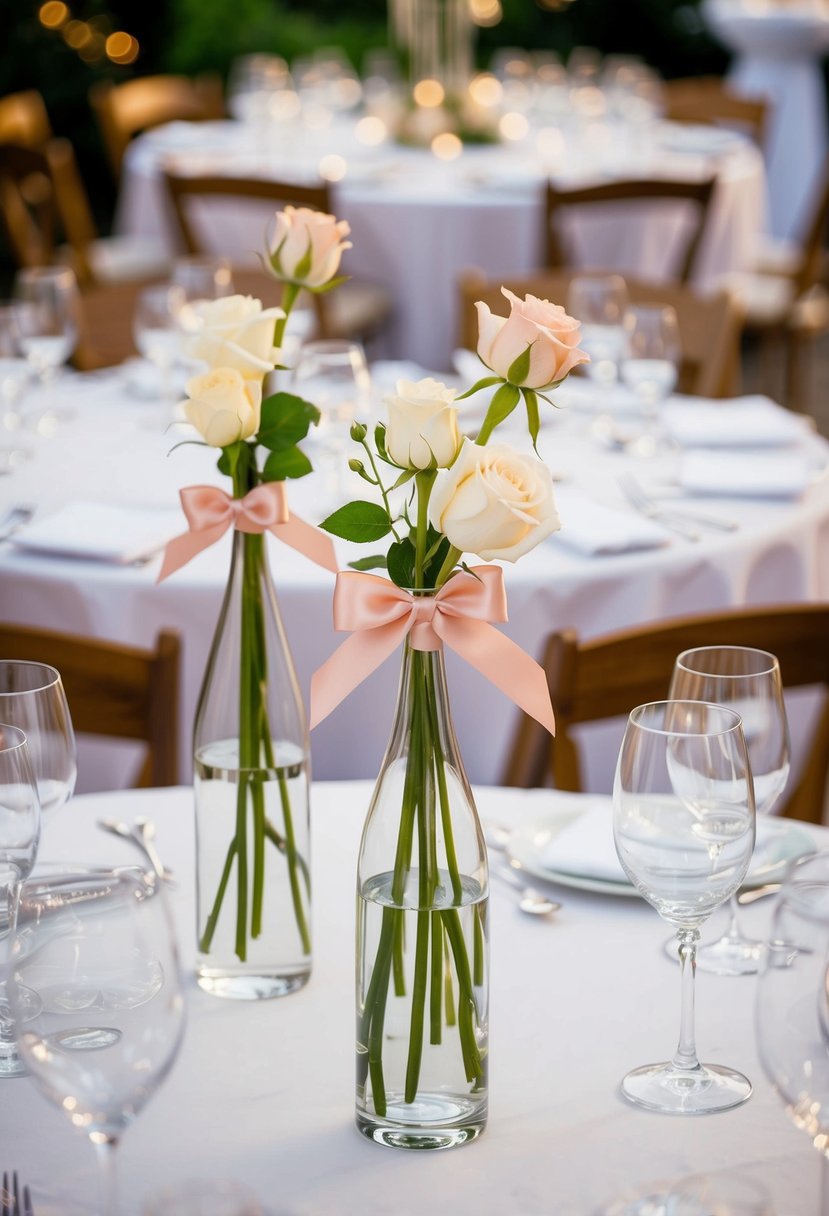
(28, 206)
(355, 310)
(608, 195)
(125, 110)
(709, 326)
(24, 119)
(709, 100)
(608, 676)
(120, 692)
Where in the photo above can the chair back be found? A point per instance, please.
(608, 676)
(710, 101)
(709, 326)
(28, 207)
(24, 120)
(116, 691)
(125, 110)
(607, 195)
(813, 241)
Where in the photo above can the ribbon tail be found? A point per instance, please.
(308, 540)
(503, 662)
(182, 549)
(350, 664)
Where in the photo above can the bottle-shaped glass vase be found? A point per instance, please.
(422, 933)
(252, 776)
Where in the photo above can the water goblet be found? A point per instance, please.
(600, 302)
(19, 839)
(46, 308)
(158, 334)
(792, 1006)
(199, 278)
(683, 824)
(32, 698)
(334, 375)
(97, 948)
(748, 681)
(650, 365)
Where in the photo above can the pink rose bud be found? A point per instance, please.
(534, 347)
(306, 246)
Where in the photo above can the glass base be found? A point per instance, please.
(726, 956)
(245, 987)
(10, 1063)
(678, 1091)
(432, 1121)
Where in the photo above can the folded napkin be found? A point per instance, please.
(747, 475)
(593, 529)
(120, 534)
(744, 422)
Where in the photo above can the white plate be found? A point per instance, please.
(527, 843)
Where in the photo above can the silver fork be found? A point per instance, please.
(12, 1203)
(631, 487)
(15, 518)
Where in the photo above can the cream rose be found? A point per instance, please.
(544, 328)
(223, 406)
(423, 424)
(235, 331)
(306, 246)
(494, 502)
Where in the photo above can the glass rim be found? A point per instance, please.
(773, 662)
(19, 692)
(17, 741)
(734, 720)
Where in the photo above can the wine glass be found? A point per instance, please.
(600, 302)
(158, 334)
(46, 309)
(199, 278)
(683, 823)
(792, 1007)
(749, 682)
(650, 364)
(32, 698)
(334, 376)
(19, 839)
(97, 948)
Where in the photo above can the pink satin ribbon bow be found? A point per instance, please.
(379, 615)
(210, 512)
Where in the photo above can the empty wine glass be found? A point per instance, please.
(19, 838)
(334, 376)
(792, 1008)
(47, 312)
(650, 364)
(32, 698)
(683, 823)
(199, 278)
(747, 681)
(158, 334)
(600, 302)
(98, 949)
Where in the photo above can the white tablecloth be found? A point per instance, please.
(116, 450)
(417, 222)
(263, 1093)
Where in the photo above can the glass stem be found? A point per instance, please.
(685, 1056)
(733, 934)
(105, 1152)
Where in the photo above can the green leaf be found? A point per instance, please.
(519, 369)
(290, 462)
(434, 561)
(501, 406)
(479, 384)
(330, 285)
(533, 420)
(380, 442)
(235, 458)
(359, 521)
(377, 562)
(285, 420)
(401, 562)
(405, 476)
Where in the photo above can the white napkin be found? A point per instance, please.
(743, 422)
(747, 475)
(120, 534)
(593, 529)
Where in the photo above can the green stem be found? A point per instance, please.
(424, 480)
(421, 971)
(290, 291)
(291, 853)
(379, 483)
(436, 981)
(212, 920)
(449, 563)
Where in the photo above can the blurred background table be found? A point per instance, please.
(417, 222)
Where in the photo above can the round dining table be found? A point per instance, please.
(609, 567)
(417, 222)
(262, 1093)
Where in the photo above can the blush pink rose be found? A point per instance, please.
(545, 329)
(306, 246)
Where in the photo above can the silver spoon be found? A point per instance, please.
(141, 834)
(529, 900)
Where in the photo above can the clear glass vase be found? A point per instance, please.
(252, 775)
(422, 936)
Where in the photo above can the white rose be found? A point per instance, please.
(423, 424)
(306, 246)
(223, 406)
(235, 331)
(494, 502)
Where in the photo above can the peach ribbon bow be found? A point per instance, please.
(379, 615)
(210, 512)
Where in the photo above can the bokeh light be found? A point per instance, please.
(447, 146)
(428, 93)
(53, 14)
